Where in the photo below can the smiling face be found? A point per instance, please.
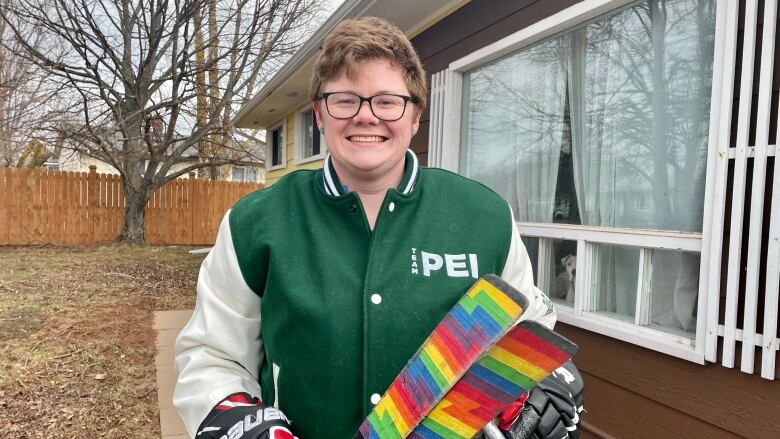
(365, 148)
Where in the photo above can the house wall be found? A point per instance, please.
(272, 177)
(76, 162)
(630, 391)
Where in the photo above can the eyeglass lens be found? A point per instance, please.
(347, 105)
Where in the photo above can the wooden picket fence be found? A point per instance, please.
(80, 208)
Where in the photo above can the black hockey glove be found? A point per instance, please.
(242, 416)
(552, 408)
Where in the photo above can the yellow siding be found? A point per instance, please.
(272, 176)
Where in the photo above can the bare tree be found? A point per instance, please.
(29, 101)
(138, 67)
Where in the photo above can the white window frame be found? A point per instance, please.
(299, 136)
(692, 349)
(282, 126)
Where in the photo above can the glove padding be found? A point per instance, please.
(245, 420)
(552, 408)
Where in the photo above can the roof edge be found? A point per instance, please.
(349, 8)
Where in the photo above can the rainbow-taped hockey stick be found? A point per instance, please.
(522, 358)
(479, 319)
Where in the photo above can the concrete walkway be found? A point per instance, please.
(168, 324)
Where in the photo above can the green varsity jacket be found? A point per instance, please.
(299, 302)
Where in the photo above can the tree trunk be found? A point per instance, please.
(135, 201)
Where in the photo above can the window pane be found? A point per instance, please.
(276, 147)
(315, 147)
(513, 127)
(237, 174)
(532, 247)
(643, 117)
(603, 125)
(563, 271)
(250, 174)
(308, 134)
(675, 289)
(614, 280)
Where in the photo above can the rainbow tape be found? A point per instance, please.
(479, 319)
(522, 358)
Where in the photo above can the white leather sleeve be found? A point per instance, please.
(219, 351)
(518, 272)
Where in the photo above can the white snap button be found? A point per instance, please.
(376, 299)
(375, 398)
(391, 207)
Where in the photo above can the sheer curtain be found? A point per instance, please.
(513, 128)
(638, 89)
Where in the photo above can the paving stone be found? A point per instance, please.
(165, 355)
(170, 423)
(168, 325)
(171, 319)
(167, 337)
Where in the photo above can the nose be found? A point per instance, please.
(364, 114)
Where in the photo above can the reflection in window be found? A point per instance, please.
(576, 128)
(276, 146)
(311, 135)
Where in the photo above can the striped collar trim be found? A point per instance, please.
(333, 186)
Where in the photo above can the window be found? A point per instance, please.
(276, 156)
(597, 136)
(244, 174)
(309, 144)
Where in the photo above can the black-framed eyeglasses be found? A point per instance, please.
(346, 105)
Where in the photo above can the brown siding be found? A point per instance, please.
(638, 393)
(631, 392)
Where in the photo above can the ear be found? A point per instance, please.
(315, 106)
(416, 123)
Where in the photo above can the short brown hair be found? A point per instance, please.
(356, 40)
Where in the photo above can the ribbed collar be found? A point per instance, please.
(334, 187)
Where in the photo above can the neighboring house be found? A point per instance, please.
(620, 132)
(79, 161)
(252, 171)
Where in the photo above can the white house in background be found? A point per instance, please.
(78, 161)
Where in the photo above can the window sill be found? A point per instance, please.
(658, 239)
(670, 344)
(274, 168)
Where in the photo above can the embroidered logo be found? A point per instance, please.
(455, 265)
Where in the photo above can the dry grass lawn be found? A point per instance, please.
(76, 337)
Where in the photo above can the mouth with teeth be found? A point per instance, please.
(367, 139)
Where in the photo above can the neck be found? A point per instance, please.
(370, 188)
(371, 183)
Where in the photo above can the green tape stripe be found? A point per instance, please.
(389, 429)
(434, 370)
(439, 429)
(491, 307)
(468, 303)
(507, 372)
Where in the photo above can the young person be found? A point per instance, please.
(320, 288)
